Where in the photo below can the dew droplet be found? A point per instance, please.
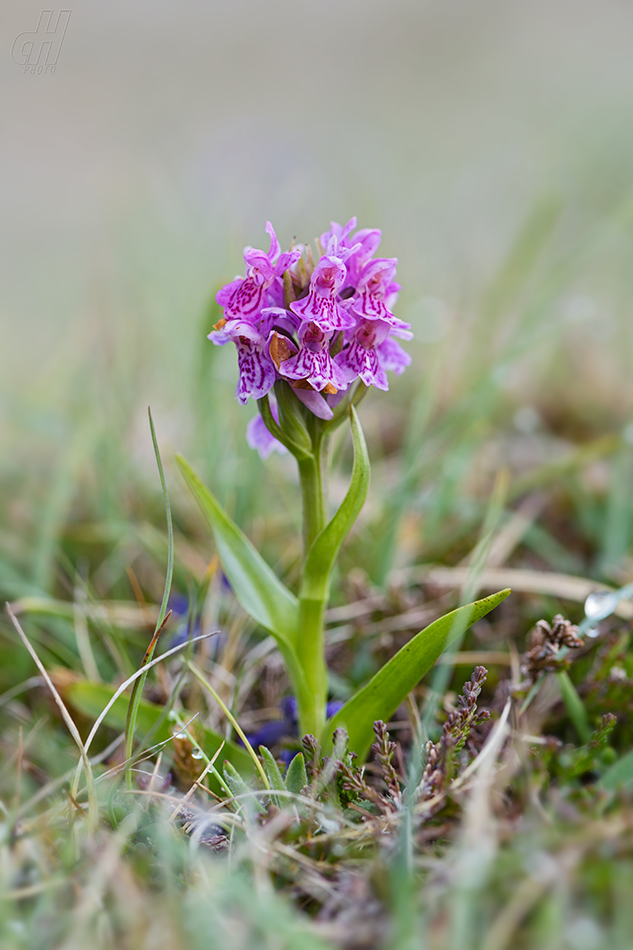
(600, 604)
(592, 632)
(179, 733)
(196, 753)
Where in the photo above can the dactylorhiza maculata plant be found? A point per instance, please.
(312, 333)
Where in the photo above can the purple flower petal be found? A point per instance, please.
(354, 250)
(258, 266)
(315, 402)
(324, 311)
(282, 319)
(259, 438)
(245, 296)
(241, 298)
(369, 239)
(321, 305)
(371, 307)
(313, 362)
(287, 260)
(357, 361)
(375, 284)
(360, 357)
(392, 357)
(341, 251)
(338, 231)
(377, 275)
(257, 370)
(275, 248)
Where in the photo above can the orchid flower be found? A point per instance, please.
(320, 328)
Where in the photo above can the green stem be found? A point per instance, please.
(312, 696)
(313, 476)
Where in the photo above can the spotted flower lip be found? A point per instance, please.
(319, 323)
(321, 305)
(360, 359)
(257, 371)
(375, 286)
(377, 276)
(313, 362)
(242, 297)
(245, 296)
(371, 307)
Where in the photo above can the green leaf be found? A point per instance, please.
(574, 705)
(299, 447)
(324, 550)
(291, 418)
(274, 775)
(256, 586)
(619, 775)
(380, 698)
(296, 777)
(90, 698)
(272, 769)
(234, 780)
(239, 788)
(46, 606)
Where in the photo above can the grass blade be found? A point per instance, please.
(122, 688)
(90, 698)
(162, 615)
(229, 715)
(68, 720)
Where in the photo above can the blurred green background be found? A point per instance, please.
(491, 141)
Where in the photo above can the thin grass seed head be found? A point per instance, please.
(319, 326)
